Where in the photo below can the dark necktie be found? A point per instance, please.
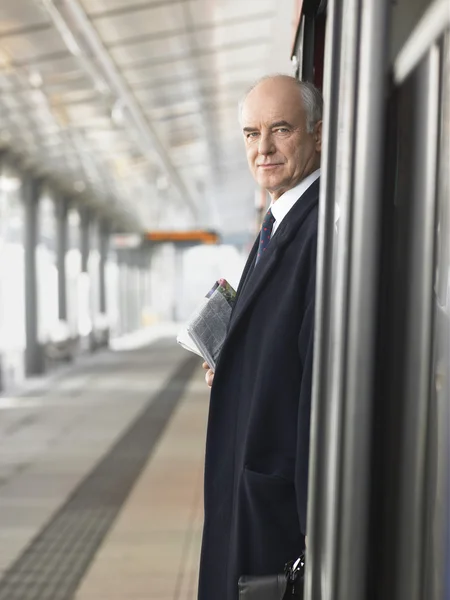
(266, 232)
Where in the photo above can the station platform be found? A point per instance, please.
(101, 473)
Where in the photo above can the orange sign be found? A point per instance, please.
(197, 236)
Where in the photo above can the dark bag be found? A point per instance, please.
(275, 587)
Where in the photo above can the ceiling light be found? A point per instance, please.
(117, 113)
(35, 79)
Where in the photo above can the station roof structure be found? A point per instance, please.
(133, 103)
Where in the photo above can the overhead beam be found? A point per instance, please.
(150, 141)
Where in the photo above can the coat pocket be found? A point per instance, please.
(271, 518)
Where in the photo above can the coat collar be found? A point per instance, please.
(254, 276)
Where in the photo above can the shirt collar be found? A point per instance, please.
(286, 201)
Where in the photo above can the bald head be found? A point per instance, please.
(306, 93)
(281, 123)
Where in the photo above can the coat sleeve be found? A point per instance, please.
(306, 352)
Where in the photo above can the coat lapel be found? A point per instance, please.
(248, 267)
(253, 279)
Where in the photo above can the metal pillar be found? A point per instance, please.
(319, 566)
(34, 355)
(122, 261)
(62, 244)
(339, 493)
(179, 256)
(84, 238)
(104, 248)
(136, 301)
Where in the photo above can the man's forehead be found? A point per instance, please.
(276, 98)
(273, 111)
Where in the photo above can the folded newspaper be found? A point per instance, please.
(207, 327)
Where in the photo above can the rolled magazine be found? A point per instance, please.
(205, 331)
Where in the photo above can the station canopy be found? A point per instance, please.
(134, 103)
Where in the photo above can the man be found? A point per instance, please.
(256, 467)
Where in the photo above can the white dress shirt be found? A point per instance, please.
(286, 201)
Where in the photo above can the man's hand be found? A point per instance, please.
(209, 375)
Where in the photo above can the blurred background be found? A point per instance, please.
(119, 120)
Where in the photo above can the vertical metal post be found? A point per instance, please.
(317, 553)
(104, 247)
(179, 256)
(124, 288)
(437, 557)
(346, 303)
(417, 375)
(62, 246)
(34, 355)
(362, 300)
(85, 222)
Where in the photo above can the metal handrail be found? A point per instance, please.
(317, 461)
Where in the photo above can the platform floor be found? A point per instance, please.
(101, 480)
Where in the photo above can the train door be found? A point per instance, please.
(379, 476)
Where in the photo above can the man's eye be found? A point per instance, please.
(283, 130)
(252, 134)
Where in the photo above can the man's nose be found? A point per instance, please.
(266, 145)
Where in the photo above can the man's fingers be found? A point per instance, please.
(209, 377)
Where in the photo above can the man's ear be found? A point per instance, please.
(318, 136)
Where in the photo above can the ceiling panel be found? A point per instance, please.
(244, 73)
(84, 113)
(166, 95)
(67, 97)
(28, 48)
(99, 6)
(147, 70)
(172, 46)
(167, 112)
(63, 66)
(165, 17)
(21, 14)
(206, 11)
(170, 81)
(243, 34)
(230, 56)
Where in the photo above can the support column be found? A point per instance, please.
(104, 248)
(61, 249)
(177, 314)
(34, 354)
(133, 266)
(122, 260)
(84, 237)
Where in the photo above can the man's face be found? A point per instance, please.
(280, 152)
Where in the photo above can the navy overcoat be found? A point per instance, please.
(256, 466)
